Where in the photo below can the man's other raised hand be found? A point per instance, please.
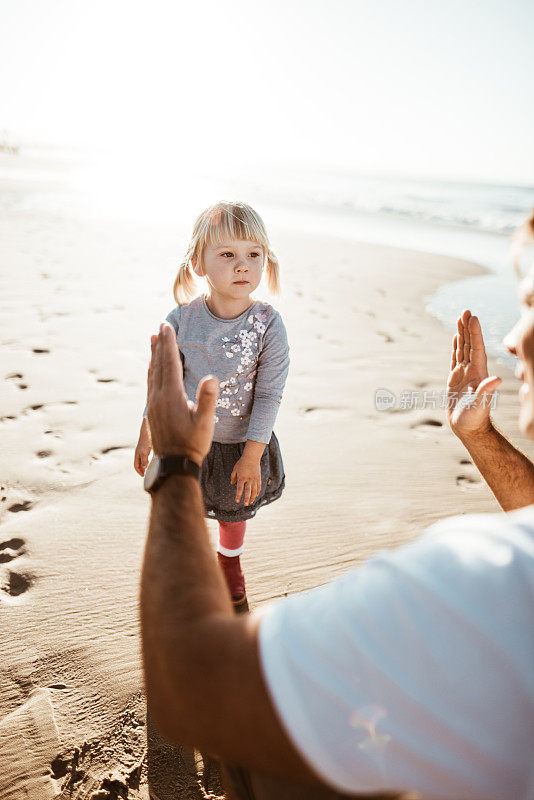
(469, 388)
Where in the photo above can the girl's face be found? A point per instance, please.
(233, 269)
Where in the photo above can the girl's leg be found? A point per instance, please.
(231, 538)
(229, 548)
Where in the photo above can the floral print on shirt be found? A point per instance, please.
(245, 346)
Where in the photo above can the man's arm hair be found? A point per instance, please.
(507, 471)
(204, 680)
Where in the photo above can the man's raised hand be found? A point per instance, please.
(178, 426)
(469, 389)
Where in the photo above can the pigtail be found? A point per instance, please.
(185, 288)
(272, 269)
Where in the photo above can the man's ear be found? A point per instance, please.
(196, 267)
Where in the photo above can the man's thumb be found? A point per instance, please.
(488, 386)
(207, 391)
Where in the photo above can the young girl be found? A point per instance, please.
(243, 342)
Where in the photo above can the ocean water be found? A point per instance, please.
(472, 221)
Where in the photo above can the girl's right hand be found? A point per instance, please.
(142, 454)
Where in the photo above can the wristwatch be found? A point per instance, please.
(161, 467)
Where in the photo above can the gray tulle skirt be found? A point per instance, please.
(219, 493)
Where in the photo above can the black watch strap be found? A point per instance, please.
(161, 467)
(179, 465)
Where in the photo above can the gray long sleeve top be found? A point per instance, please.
(250, 357)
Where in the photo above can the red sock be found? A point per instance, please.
(231, 538)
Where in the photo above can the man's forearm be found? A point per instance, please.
(506, 470)
(181, 586)
(204, 682)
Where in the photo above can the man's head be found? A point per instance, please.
(520, 340)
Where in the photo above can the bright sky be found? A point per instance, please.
(440, 88)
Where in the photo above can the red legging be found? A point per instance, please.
(231, 538)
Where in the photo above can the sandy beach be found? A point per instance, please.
(79, 301)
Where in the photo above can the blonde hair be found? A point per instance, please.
(523, 236)
(219, 222)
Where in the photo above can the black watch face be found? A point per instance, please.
(152, 474)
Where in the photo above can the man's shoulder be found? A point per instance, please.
(458, 568)
(472, 559)
(462, 559)
(514, 527)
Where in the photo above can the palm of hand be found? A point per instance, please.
(469, 390)
(464, 379)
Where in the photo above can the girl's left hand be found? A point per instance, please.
(247, 473)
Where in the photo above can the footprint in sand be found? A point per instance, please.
(25, 505)
(423, 428)
(470, 481)
(13, 584)
(319, 413)
(52, 432)
(427, 423)
(106, 450)
(39, 406)
(17, 379)
(387, 338)
(467, 482)
(16, 584)
(10, 549)
(44, 453)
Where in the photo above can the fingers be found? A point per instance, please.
(171, 365)
(453, 353)
(257, 489)
(462, 338)
(456, 377)
(207, 392)
(467, 339)
(478, 350)
(248, 493)
(486, 390)
(165, 365)
(141, 461)
(249, 490)
(156, 363)
(150, 376)
(460, 341)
